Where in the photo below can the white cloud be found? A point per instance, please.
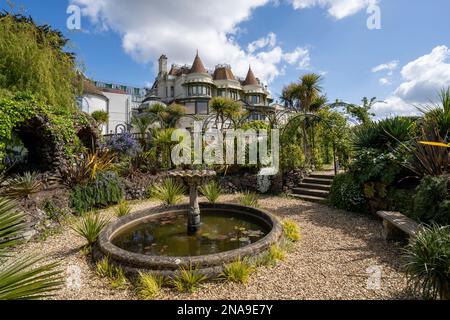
(385, 81)
(178, 28)
(261, 43)
(299, 57)
(422, 79)
(338, 9)
(390, 66)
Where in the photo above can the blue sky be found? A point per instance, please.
(120, 41)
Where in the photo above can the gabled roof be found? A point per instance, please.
(250, 79)
(197, 66)
(223, 73)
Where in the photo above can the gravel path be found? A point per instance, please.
(330, 261)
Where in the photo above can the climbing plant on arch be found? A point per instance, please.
(41, 127)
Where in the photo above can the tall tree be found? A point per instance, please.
(33, 59)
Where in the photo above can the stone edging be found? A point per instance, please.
(208, 264)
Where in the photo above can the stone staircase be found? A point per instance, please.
(314, 188)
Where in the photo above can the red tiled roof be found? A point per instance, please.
(250, 79)
(197, 66)
(223, 73)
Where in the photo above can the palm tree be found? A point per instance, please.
(305, 96)
(22, 279)
(172, 114)
(225, 109)
(142, 124)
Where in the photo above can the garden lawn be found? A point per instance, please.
(329, 262)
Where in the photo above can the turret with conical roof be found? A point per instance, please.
(250, 79)
(197, 66)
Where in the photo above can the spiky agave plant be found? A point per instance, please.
(170, 192)
(211, 191)
(21, 186)
(22, 278)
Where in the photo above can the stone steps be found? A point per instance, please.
(314, 188)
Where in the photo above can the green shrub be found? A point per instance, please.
(123, 209)
(188, 280)
(100, 116)
(106, 190)
(149, 286)
(292, 157)
(291, 230)
(211, 191)
(170, 192)
(346, 193)
(90, 227)
(238, 271)
(249, 199)
(428, 263)
(431, 202)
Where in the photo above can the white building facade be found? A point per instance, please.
(194, 86)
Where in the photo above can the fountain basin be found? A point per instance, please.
(156, 239)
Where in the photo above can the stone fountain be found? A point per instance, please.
(193, 178)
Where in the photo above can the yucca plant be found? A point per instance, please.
(21, 278)
(238, 271)
(428, 263)
(211, 191)
(123, 209)
(249, 199)
(90, 227)
(22, 186)
(169, 192)
(149, 285)
(189, 279)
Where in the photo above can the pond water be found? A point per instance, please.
(168, 236)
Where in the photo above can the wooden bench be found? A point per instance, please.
(396, 226)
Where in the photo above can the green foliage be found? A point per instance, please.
(238, 271)
(100, 116)
(211, 191)
(189, 279)
(428, 263)
(170, 192)
(123, 209)
(32, 58)
(401, 200)
(373, 165)
(346, 193)
(17, 109)
(90, 227)
(23, 278)
(106, 190)
(256, 125)
(431, 202)
(149, 285)
(22, 186)
(86, 168)
(291, 230)
(52, 211)
(384, 135)
(12, 225)
(114, 274)
(249, 199)
(292, 157)
(437, 115)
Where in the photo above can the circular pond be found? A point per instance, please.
(158, 239)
